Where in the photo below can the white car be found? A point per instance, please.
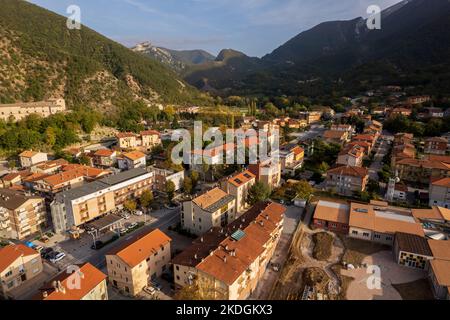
(149, 290)
(138, 213)
(126, 216)
(58, 257)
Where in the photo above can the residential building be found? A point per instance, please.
(291, 157)
(214, 208)
(105, 158)
(80, 282)
(132, 160)
(268, 172)
(239, 186)
(29, 158)
(311, 116)
(18, 111)
(368, 138)
(412, 251)
(380, 222)
(400, 192)
(145, 140)
(163, 176)
(338, 137)
(351, 156)
(439, 192)
(49, 167)
(418, 99)
(332, 216)
(436, 145)
(18, 265)
(347, 180)
(20, 215)
(440, 278)
(141, 259)
(421, 170)
(342, 127)
(78, 206)
(233, 259)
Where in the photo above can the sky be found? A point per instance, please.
(255, 27)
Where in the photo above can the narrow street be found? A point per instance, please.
(377, 163)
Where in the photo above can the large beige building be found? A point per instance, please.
(78, 282)
(29, 158)
(145, 140)
(239, 186)
(20, 215)
(212, 209)
(268, 172)
(78, 206)
(18, 265)
(18, 111)
(347, 180)
(141, 259)
(227, 263)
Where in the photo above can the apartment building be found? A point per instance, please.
(368, 138)
(230, 261)
(239, 186)
(163, 176)
(145, 140)
(18, 265)
(212, 209)
(268, 172)
(71, 176)
(439, 192)
(29, 158)
(139, 260)
(338, 137)
(105, 158)
(311, 116)
(18, 111)
(347, 180)
(421, 170)
(378, 222)
(342, 127)
(20, 215)
(132, 160)
(78, 206)
(351, 156)
(436, 145)
(49, 167)
(291, 157)
(79, 282)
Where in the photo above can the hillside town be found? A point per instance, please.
(341, 195)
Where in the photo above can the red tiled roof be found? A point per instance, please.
(11, 253)
(350, 171)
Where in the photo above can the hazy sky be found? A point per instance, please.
(255, 27)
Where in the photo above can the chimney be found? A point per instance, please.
(261, 223)
(45, 294)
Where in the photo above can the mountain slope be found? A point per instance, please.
(414, 42)
(178, 60)
(42, 58)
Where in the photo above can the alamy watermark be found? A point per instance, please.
(74, 20)
(374, 19)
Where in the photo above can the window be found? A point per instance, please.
(366, 234)
(8, 274)
(177, 268)
(178, 277)
(355, 232)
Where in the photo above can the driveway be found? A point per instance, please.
(390, 272)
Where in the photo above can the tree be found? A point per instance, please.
(187, 185)
(258, 192)
(170, 190)
(50, 136)
(195, 177)
(146, 199)
(130, 205)
(323, 167)
(11, 164)
(84, 160)
(303, 190)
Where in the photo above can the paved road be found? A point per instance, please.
(316, 130)
(376, 165)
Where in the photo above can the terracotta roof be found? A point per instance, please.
(72, 172)
(424, 163)
(242, 178)
(412, 243)
(134, 155)
(125, 135)
(91, 277)
(350, 171)
(444, 159)
(209, 198)
(441, 270)
(11, 176)
(52, 164)
(139, 249)
(28, 154)
(150, 133)
(332, 211)
(334, 134)
(12, 252)
(298, 150)
(234, 256)
(440, 249)
(437, 139)
(104, 153)
(441, 182)
(364, 137)
(364, 216)
(433, 213)
(354, 151)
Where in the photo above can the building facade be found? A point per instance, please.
(18, 111)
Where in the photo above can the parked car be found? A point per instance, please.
(125, 215)
(155, 285)
(45, 253)
(98, 245)
(38, 248)
(132, 225)
(123, 231)
(138, 213)
(149, 290)
(58, 256)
